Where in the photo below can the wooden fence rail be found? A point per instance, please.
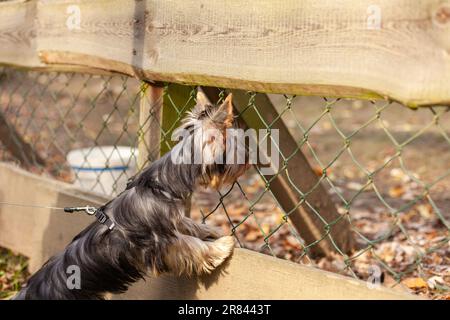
(397, 49)
(247, 275)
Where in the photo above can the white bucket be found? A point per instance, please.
(104, 169)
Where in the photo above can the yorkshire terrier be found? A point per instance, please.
(151, 234)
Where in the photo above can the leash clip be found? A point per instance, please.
(88, 209)
(92, 211)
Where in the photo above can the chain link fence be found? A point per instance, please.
(384, 166)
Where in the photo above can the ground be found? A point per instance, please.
(411, 245)
(13, 272)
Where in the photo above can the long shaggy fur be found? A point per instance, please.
(151, 233)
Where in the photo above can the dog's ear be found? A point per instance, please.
(201, 99)
(224, 113)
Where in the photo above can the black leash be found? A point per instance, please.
(99, 214)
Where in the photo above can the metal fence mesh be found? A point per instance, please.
(385, 167)
(59, 112)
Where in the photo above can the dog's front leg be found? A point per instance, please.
(189, 255)
(200, 230)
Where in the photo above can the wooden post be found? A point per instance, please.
(150, 115)
(307, 223)
(177, 100)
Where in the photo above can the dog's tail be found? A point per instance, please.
(21, 295)
(51, 282)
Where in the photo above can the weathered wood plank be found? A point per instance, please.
(252, 276)
(399, 49)
(40, 233)
(18, 33)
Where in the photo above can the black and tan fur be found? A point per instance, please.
(151, 234)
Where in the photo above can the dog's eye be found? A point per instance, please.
(211, 139)
(206, 112)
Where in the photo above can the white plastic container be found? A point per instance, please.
(103, 169)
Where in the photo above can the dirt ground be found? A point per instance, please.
(407, 240)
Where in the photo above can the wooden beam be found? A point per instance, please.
(297, 174)
(396, 49)
(250, 275)
(41, 233)
(150, 117)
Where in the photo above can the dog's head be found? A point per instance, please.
(213, 141)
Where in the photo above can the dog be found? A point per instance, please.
(151, 233)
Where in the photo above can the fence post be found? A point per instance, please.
(308, 225)
(177, 100)
(150, 115)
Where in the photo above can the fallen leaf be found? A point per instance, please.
(426, 211)
(399, 174)
(292, 241)
(433, 282)
(265, 228)
(354, 186)
(252, 235)
(319, 171)
(415, 283)
(236, 210)
(397, 191)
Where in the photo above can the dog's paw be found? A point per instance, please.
(225, 244)
(222, 249)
